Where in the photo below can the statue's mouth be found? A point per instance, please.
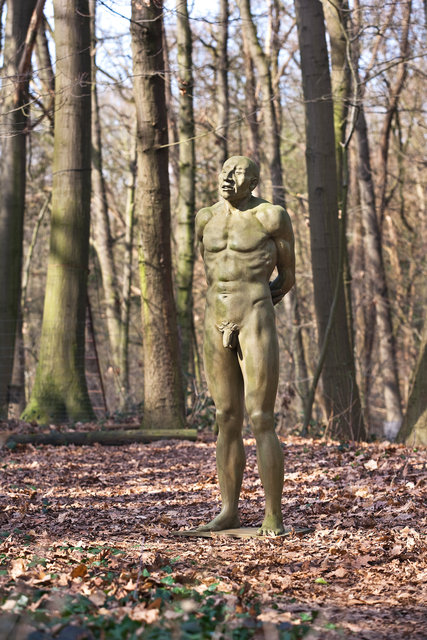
(227, 187)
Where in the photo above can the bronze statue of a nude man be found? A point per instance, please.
(242, 239)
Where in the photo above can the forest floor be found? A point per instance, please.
(87, 549)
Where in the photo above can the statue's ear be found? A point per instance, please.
(253, 183)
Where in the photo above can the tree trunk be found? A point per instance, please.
(17, 399)
(14, 96)
(337, 17)
(17, 382)
(2, 4)
(253, 142)
(222, 87)
(171, 113)
(274, 190)
(100, 219)
(393, 103)
(297, 348)
(377, 302)
(45, 71)
(60, 390)
(127, 282)
(186, 186)
(340, 391)
(414, 427)
(272, 51)
(163, 386)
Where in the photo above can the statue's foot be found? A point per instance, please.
(272, 526)
(222, 521)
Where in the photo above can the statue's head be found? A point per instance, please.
(238, 178)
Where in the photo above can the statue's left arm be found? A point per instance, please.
(278, 223)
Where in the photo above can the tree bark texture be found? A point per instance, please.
(14, 118)
(100, 219)
(60, 390)
(340, 391)
(186, 186)
(163, 385)
(274, 190)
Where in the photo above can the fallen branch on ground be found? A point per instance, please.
(100, 437)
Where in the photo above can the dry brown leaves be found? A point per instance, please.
(96, 520)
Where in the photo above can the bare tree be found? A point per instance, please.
(127, 279)
(100, 220)
(340, 392)
(163, 386)
(223, 93)
(377, 299)
(22, 21)
(186, 190)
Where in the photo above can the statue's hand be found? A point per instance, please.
(276, 294)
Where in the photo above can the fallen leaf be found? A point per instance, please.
(339, 573)
(97, 597)
(156, 604)
(140, 613)
(363, 492)
(18, 568)
(396, 550)
(371, 465)
(79, 571)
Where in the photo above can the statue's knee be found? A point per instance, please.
(261, 421)
(229, 418)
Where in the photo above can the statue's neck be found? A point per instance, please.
(235, 207)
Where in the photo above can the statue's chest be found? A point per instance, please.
(235, 232)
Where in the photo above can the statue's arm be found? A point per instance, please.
(202, 218)
(283, 235)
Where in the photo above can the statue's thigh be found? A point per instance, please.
(223, 373)
(260, 361)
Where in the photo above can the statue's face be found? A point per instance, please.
(237, 179)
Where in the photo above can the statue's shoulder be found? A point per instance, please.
(274, 218)
(203, 216)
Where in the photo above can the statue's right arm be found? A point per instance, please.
(202, 218)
